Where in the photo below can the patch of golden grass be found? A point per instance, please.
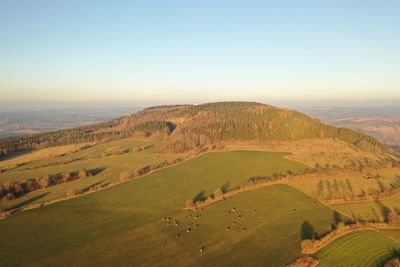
(312, 151)
(308, 184)
(41, 154)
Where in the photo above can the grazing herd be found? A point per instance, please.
(197, 214)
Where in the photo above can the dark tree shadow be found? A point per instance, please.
(395, 253)
(171, 126)
(200, 196)
(92, 185)
(12, 155)
(96, 171)
(29, 201)
(384, 210)
(307, 231)
(336, 217)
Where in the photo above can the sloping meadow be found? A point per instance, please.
(143, 223)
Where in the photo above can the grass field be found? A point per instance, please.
(393, 234)
(23, 158)
(358, 183)
(312, 151)
(367, 248)
(109, 168)
(122, 226)
(370, 210)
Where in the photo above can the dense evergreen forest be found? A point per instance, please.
(187, 127)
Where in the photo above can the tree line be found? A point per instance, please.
(199, 126)
(11, 190)
(101, 132)
(327, 190)
(246, 121)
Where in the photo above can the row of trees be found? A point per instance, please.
(312, 241)
(12, 190)
(132, 173)
(246, 121)
(328, 190)
(200, 126)
(307, 230)
(101, 132)
(218, 194)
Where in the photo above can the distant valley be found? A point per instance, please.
(36, 120)
(382, 123)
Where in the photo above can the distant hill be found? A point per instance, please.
(189, 127)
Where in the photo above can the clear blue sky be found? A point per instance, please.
(187, 51)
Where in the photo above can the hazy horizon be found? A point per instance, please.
(149, 53)
(42, 106)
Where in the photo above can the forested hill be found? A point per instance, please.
(188, 127)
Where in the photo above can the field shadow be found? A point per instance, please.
(87, 188)
(12, 155)
(98, 170)
(29, 201)
(384, 210)
(171, 126)
(395, 253)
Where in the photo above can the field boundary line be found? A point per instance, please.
(4, 215)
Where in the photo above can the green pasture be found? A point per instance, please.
(106, 169)
(123, 226)
(366, 248)
(370, 210)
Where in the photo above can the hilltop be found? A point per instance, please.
(195, 127)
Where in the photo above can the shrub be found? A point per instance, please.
(142, 171)
(31, 185)
(66, 177)
(394, 218)
(83, 173)
(217, 194)
(7, 197)
(306, 245)
(340, 227)
(126, 175)
(45, 181)
(72, 192)
(4, 199)
(189, 204)
(18, 189)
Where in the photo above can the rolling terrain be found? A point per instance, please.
(123, 225)
(17, 121)
(189, 127)
(220, 184)
(382, 123)
(106, 169)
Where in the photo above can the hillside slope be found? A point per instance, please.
(187, 127)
